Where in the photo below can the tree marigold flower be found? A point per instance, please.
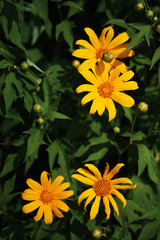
(105, 88)
(103, 50)
(47, 197)
(102, 187)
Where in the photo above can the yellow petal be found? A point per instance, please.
(95, 207)
(93, 38)
(104, 69)
(48, 215)
(120, 51)
(121, 180)
(85, 194)
(90, 77)
(109, 37)
(89, 199)
(105, 40)
(114, 171)
(30, 195)
(97, 72)
(56, 182)
(64, 194)
(124, 186)
(114, 204)
(44, 179)
(83, 179)
(93, 108)
(107, 207)
(61, 205)
(125, 76)
(34, 185)
(120, 39)
(111, 108)
(120, 196)
(86, 44)
(56, 211)
(114, 74)
(83, 53)
(86, 173)
(39, 213)
(123, 99)
(93, 169)
(101, 107)
(87, 64)
(126, 86)
(62, 187)
(106, 170)
(86, 88)
(89, 97)
(118, 64)
(30, 207)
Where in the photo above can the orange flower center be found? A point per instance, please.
(105, 90)
(100, 52)
(46, 197)
(102, 187)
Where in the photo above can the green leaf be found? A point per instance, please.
(150, 230)
(28, 100)
(72, 4)
(128, 113)
(155, 57)
(41, 7)
(121, 23)
(4, 64)
(8, 92)
(15, 35)
(55, 115)
(9, 164)
(145, 158)
(144, 31)
(97, 155)
(52, 150)
(14, 115)
(155, 213)
(65, 27)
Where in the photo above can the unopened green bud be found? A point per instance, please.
(149, 14)
(37, 108)
(116, 129)
(24, 66)
(155, 18)
(107, 56)
(139, 7)
(75, 63)
(97, 233)
(142, 107)
(40, 121)
(38, 89)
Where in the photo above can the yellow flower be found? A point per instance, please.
(105, 88)
(47, 197)
(103, 50)
(102, 187)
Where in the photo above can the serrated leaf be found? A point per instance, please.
(72, 4)
(144, 31)
(65, 27)
(28, 100)
(15, 35)
(151, 214)
(8, 92)
(155, 57)
(55, 115)
(121, 23)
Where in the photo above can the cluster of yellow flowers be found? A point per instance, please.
(108, 77)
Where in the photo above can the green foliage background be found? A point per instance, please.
(42, 33)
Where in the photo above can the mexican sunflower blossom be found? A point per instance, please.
(47, 197)
(102, 187)
(106, 87)
(104, 50)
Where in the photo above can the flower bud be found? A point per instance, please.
(107, 56)
(38, 89)
(116, 129)
(40, 121)
(37, 108)
(24, 66)
(75, 63)
(157, 158)
(139, 7)
(149, 14)
(96, 233)
(155, 18)
(142, 107)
